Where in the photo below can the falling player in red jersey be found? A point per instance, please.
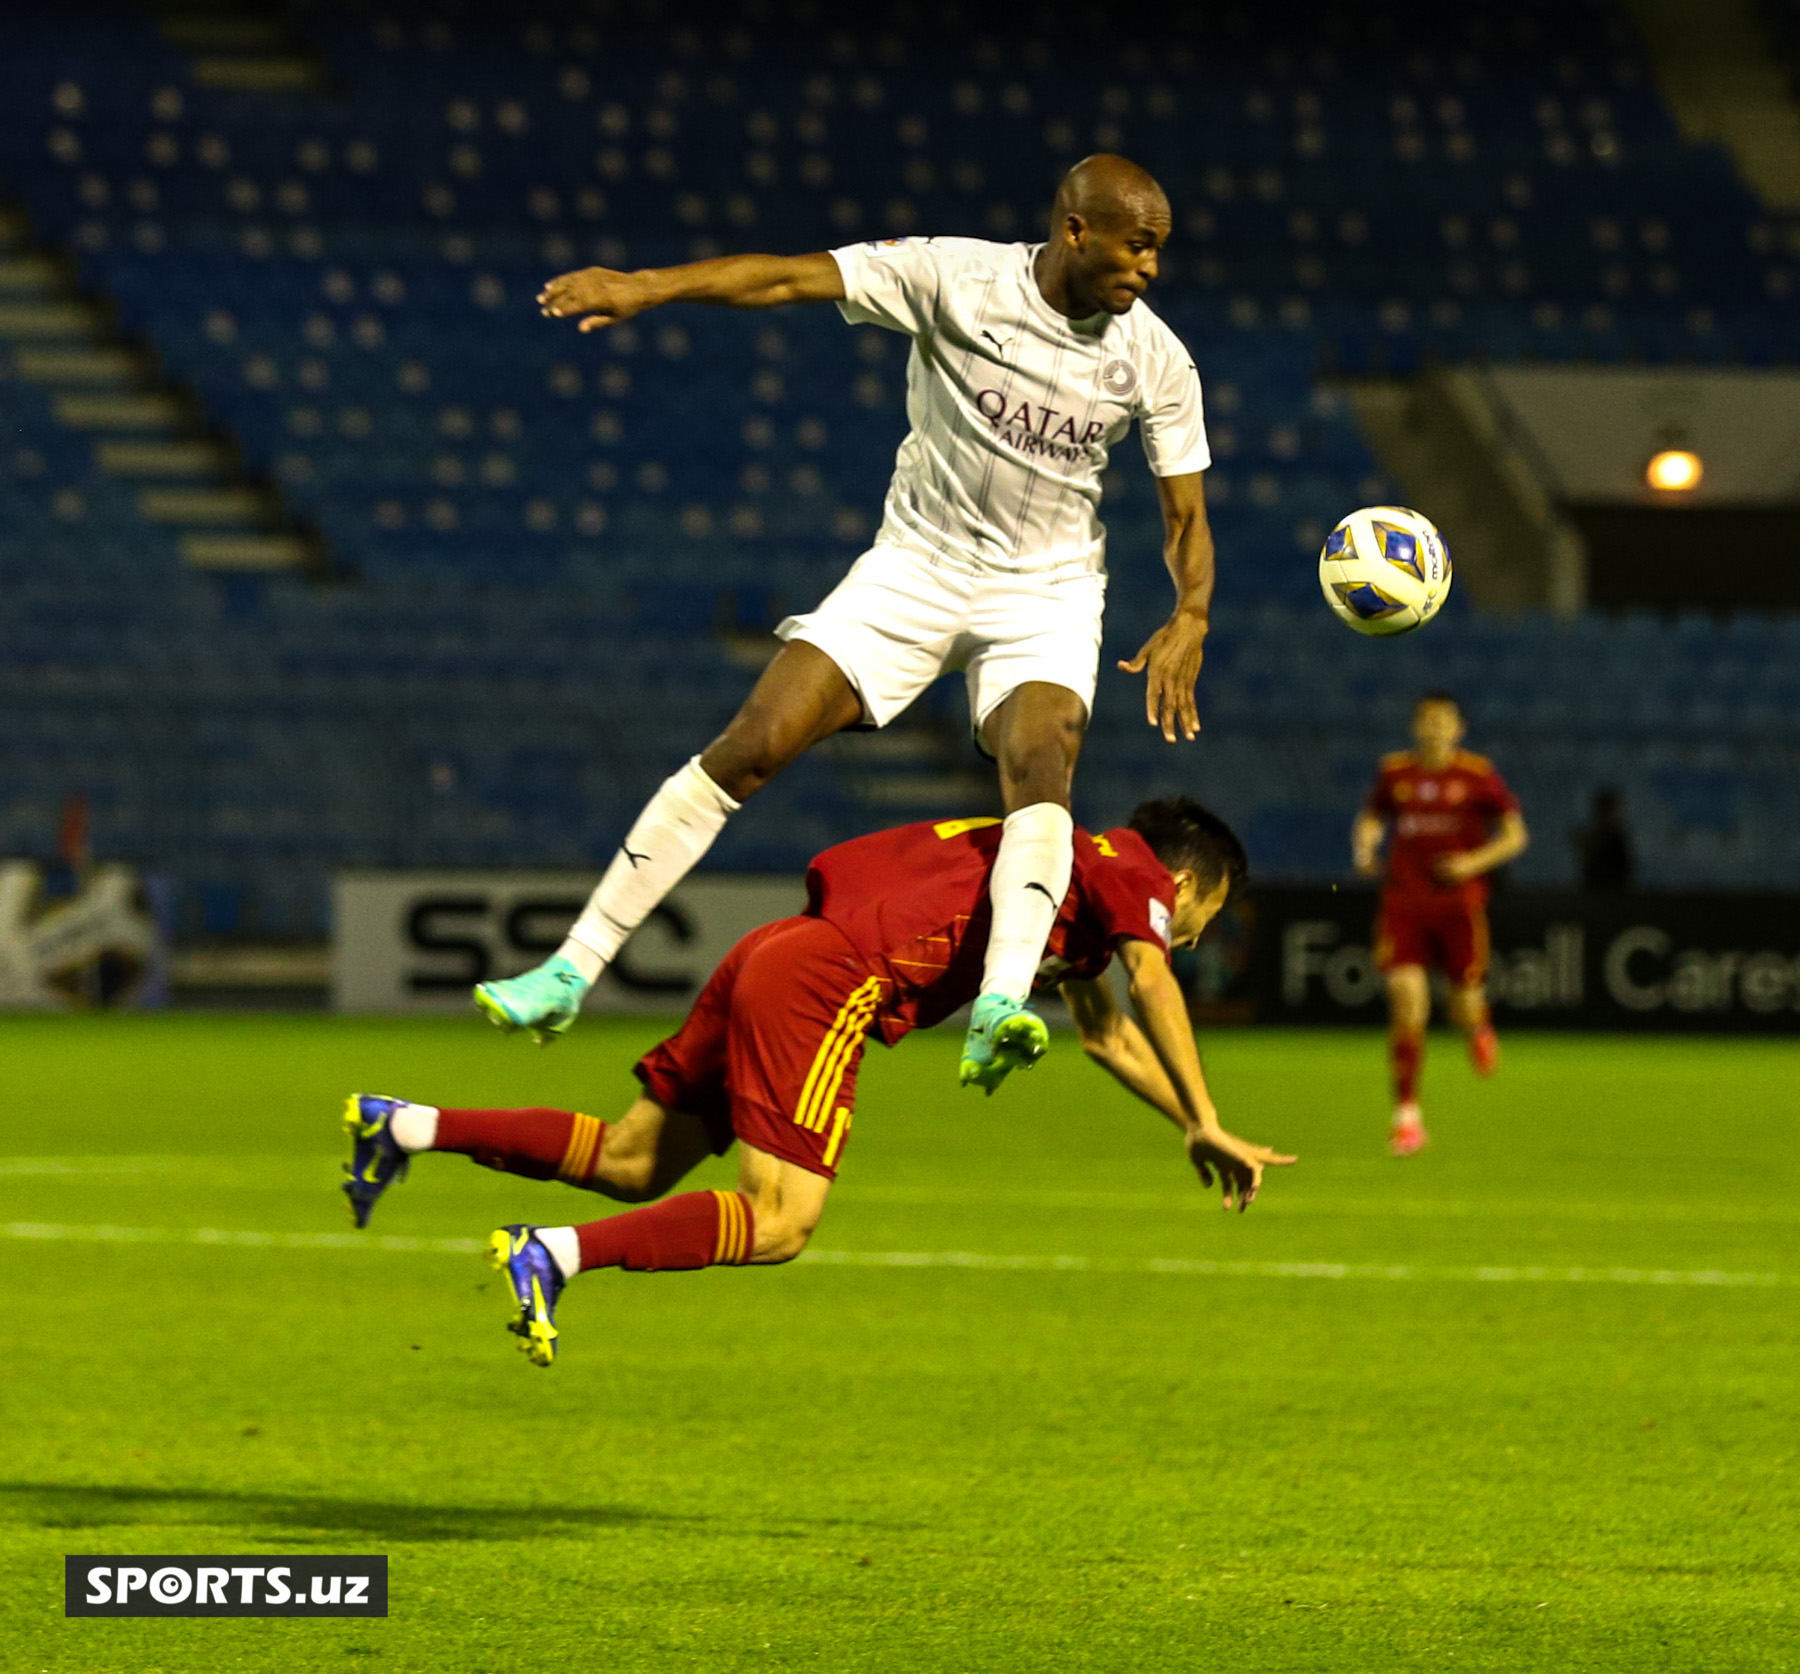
(892, 940)
(1450, 821)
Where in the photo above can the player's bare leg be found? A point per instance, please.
(1035, 737)
(1469, 1012)
(802, 697)
(767, 1220)
(1409, 1010)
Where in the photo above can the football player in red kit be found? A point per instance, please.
(1449, 820)
(892, 940)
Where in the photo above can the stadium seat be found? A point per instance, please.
(525, 523)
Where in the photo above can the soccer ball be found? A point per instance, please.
(1385, 570)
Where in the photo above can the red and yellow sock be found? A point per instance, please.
(538, 1144)
(1406, 1051)
(696, 1229)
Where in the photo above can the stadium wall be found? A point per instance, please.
(1687, 963)
(415, 942)
(418, 941)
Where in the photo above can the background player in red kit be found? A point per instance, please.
(1450, 821)
(892, 939)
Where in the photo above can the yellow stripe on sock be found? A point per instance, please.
(728, 1249)
(568, 1168)
(582, 1151)
(579, 1163)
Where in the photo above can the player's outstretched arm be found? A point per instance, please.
(1170, 658)
(601, 296)
(1365, 842)
(1508, 843)
(1160, 1063)
(1118, 1046)
(1161, 1008)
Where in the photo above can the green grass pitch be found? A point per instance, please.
(1525, 1402)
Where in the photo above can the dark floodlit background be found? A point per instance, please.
(349, 611)
(320, 549)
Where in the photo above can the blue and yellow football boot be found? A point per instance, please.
(536, 1281)
(376, 1160)
(545, 1000)
(1003, 1036)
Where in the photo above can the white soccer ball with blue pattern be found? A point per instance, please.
(1385, 570)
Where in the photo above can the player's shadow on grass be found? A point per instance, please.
(300, 1518)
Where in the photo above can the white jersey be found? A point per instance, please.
(1013, 407)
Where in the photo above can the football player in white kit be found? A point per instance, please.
(1028, 363)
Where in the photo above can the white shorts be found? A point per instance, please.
(897, 621)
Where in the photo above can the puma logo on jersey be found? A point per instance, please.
(625, 849)
(998, 342)
(1043, 892)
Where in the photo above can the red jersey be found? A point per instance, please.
(1448, 810)
(913, 902)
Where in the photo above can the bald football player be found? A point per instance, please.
(1028, 363)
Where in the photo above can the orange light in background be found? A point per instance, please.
(1674, 471)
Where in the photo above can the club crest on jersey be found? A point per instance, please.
(1119, 379)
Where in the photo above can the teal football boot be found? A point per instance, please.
(1003, 1036)
(544, 1000)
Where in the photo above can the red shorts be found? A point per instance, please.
(770, 1051)
(1450, 935)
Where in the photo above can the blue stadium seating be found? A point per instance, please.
(545, 544)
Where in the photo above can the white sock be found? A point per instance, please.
(564, 1248)
(414, 1127)
(1029, 881)
(676, 828)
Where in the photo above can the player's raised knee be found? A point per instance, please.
(743, 760)
(787, 1210)
(757, 745)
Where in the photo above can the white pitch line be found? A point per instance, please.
(52, 1232)
(1714, 1278)
(1303, 1269)
(56, 1167)
(1286, 1201)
